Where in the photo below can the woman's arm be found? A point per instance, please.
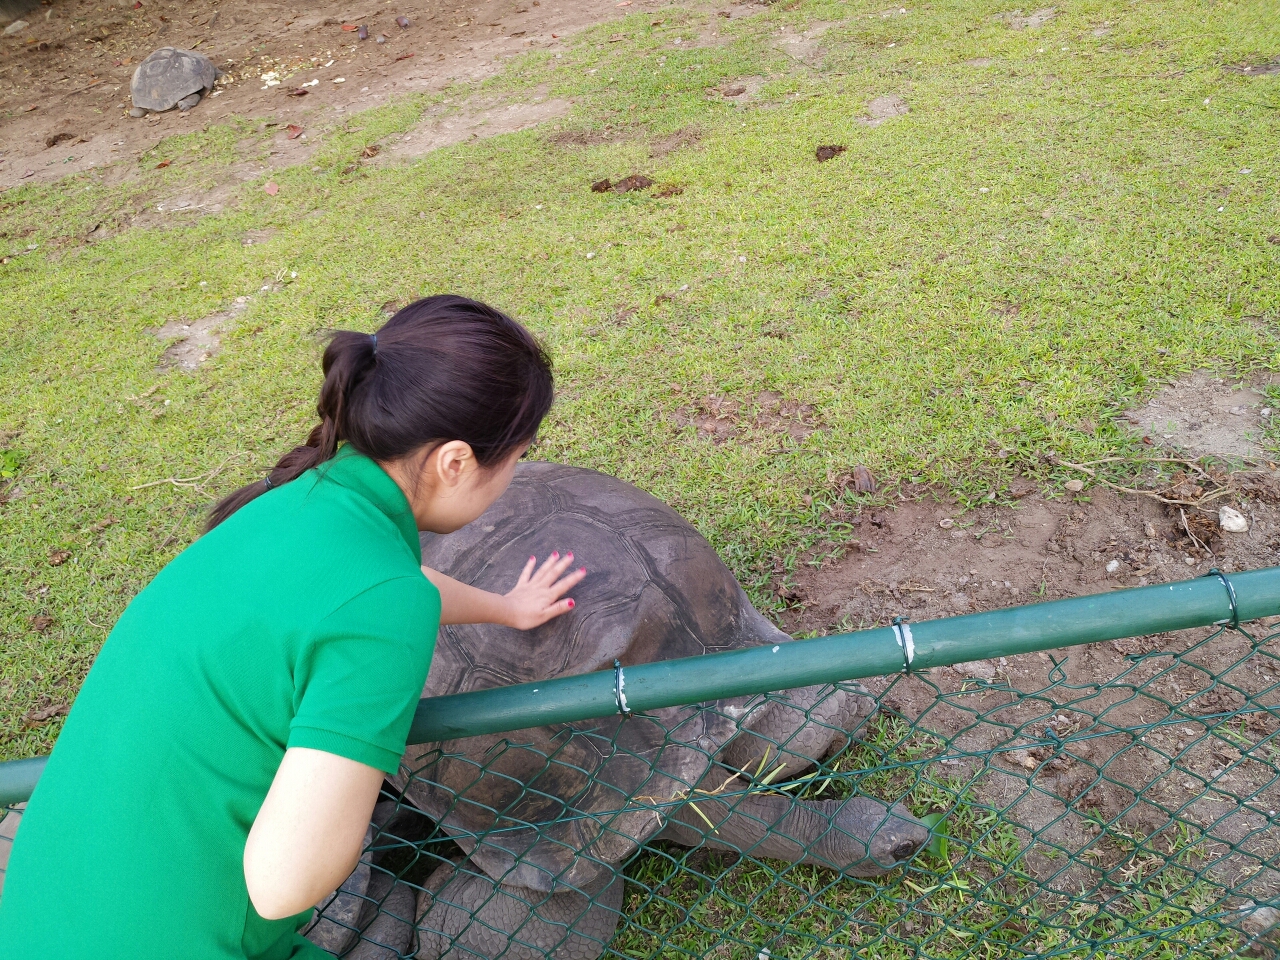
(309, 833)
(533, 601)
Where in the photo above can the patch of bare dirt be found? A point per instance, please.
(444, 127)
(68, 72)
(1068, 772)
(979, 62)
(884, 108)
(805, 45)
(1255, 69)
(1031, 21)
(195, 342)
(1206, 415)
(677, 140)
(588, 137)
(720, 418)
(739, 91)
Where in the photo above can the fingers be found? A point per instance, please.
(552, 568)
(550, 613)
(566, 583)
(527, 572)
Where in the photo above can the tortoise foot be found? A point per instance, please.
(465, 914)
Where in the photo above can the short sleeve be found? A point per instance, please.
(358, 678)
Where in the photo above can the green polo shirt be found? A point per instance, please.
(303, 620)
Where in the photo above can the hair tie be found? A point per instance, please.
(373, 338)
(266, 482)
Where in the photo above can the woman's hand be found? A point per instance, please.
(535, 598)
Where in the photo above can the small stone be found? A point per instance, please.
(1232, 521)
(1149, 529)
(1113, 566)
(137, 112)
(977, 669)
(1074, 486)
(16, 27)
(946, 523)
(1191, 561)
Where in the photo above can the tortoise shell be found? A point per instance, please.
(168, 75)
(655, 590)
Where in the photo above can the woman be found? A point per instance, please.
(220, 765)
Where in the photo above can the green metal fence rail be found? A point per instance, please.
(1114, 801)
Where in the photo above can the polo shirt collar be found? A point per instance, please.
(352, 469)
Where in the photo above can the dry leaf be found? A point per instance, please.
(41, 623)
(825, 153)
(863, 481)
(45, 714)
(272, 188)
(293, 131)
(58, 557)
(162, 164)
(370, 151)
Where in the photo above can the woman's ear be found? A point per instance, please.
(451, 463)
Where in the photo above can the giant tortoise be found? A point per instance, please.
(170, 78)
(545, 818)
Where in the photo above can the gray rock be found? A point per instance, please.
(16, 27)
(977, 669)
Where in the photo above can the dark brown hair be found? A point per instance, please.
(444, 368)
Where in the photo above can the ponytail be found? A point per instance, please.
(443, 368)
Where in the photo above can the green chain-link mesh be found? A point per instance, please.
(1131, 815)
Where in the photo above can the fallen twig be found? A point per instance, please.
(1214, 495)
(1194, 539)
(193, 483)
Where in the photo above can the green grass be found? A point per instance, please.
(879, 287)
(973, 896)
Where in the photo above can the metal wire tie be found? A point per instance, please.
(902, 631)
(1231, 595)
(619, 683)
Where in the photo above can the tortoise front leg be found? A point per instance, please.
(797, 728)
(465, 915)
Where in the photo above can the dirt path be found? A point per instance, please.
(64, 79)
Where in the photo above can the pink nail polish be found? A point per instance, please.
(570, 604)
(582, 569)
(556, 555)
(569, 556)
(533, 559)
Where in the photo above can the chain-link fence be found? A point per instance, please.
(1112, 800)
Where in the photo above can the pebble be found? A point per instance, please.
(946, 523)
(1232, 521)
(1074, 486)
(16, 27)
(978, 669)
(1149, 529)
(1113, 566)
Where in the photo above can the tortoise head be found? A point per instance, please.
(869, 839)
